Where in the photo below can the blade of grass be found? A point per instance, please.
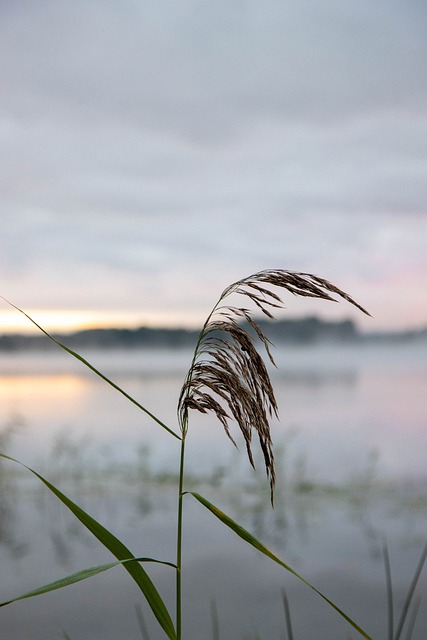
(78, 577)
(389, 586)
(214, 619)
(250, 539)
(95, 370)
(410, 593)
(118, 549)
(412, 619)
(287, 614)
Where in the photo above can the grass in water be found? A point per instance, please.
(227, 376)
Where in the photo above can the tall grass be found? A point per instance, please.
(228, 377)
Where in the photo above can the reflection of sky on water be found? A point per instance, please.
(340, 404)
(332, 538)
(352, 427)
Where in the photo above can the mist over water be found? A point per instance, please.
(351, 446)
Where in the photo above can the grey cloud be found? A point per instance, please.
(144, 145)
(376, 163)
(206, 70)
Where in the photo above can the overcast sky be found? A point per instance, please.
(152, 152)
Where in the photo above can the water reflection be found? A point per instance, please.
(136, 491)
(350, 451)
(141, 499)
(9, 536)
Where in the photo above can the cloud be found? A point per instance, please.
(159, 150)
(206, 70)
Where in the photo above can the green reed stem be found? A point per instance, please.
(184, 429)
(179, 539)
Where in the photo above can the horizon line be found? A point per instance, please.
(26, 329)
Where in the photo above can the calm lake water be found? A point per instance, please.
(351, 448)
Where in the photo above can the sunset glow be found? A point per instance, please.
(68, 321)
(64, 320)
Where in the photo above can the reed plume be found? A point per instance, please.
(228, 376)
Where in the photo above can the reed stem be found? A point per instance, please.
(179, 539)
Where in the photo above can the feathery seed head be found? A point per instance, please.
(228, 375)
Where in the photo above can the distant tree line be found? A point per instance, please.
(308, 330)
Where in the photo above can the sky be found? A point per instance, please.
(153, 152)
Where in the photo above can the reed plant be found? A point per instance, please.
(229, 378)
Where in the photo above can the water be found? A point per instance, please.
(351, 448)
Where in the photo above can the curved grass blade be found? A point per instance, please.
(248, 537)
(95, 370)
(413, 618)
(410, 593)
(118, 549)
(389, 587)
(78, 577)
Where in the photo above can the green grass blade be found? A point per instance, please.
(249, 538)
(410, 593)
(119, 550)
(413, 618)
(96, 371)
(389, 587)
(78, 577)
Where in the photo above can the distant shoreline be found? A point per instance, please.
(303, 331)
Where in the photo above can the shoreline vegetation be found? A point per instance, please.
(302, 331)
